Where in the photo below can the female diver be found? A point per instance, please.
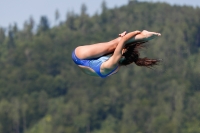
(105, 59)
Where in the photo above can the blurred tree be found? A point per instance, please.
(83, 9)
(28, 29)
(24, 108)
(44, 24)
(57, 16)
(15, 30)
(15, 115)
(5, 120)
(11, 40)
(71, 20)
(2, 35)
(104, 7)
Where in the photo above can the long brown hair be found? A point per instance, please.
(132, 54)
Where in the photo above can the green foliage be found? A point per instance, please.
(43, 91)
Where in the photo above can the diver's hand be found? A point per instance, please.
(122, 34)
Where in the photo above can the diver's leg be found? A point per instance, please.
(99, 49)
(96, 50)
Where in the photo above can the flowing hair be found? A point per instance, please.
(132, 54)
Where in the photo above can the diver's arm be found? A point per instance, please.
(114, 59)
(131, 34)
(118, 51)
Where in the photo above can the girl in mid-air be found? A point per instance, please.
(105, 59)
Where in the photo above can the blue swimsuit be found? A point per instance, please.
(94, 64)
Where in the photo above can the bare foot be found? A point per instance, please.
(143, 36)
(150, 35)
